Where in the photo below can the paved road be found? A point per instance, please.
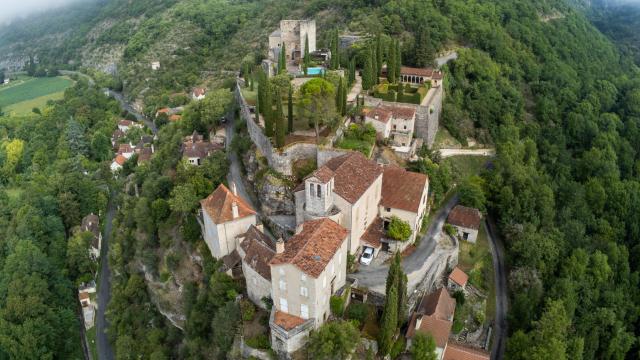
(502, 304)
(105, 352)
(446, 58)
(126, 106)
(355, 90)
(444, 153)
(416, 265)
(235, 173)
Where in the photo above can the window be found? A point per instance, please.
(405, 127)
(319, 190)
(283, 284)
(304, 311)
(303, 277)
(284, 306)
(310, 189)
(387, 209)
(304, 291)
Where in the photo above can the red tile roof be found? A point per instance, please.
(287, 321)
(323, 174)
(258, 251)
(165, 110)
(437, 75)
(402, 189)
(199, 91)
(175, 117)
(219, 205)
(380, 113)
(460, 352)
(83, 295)
(125, 148)
(436, 311)
(125, 122)
(120, 160)
(402, 112)
(465, 217)
(311, 249)
(459, 276)
(354, 174)
(374, 233)
(405, 70)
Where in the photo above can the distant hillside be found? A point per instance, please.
(622, 24)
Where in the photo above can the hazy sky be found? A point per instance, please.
(10, 9)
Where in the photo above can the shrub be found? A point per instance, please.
(337, 305)
(260, 341)
(268, 302)
(398, 347)
(399, 229)
(458, 325)
(248, 310)
(450, 230)
(358, 312)
(459, 296)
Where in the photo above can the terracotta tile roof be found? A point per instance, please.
(459, 276)
(460, 352)
(83, 295)
(354, 174)
(287, 321)
(437, 75)
(117, 134)
(199, 91)
(465, 217)
(125, 122)
(380, 113)
(435, 314)
(323, 174)
(91, 223)
(163, 111)
(258, 251)
(312, 248)
(405, 70)
(402, 189)
(200, 149)
(125, 148)
(144, 155)
(120, 160)
(401, 112)
(231, 260)
(374, 233)
(175, 117)
(219, 204)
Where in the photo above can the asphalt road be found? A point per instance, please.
(500, 329)
(235, 171)
(445, 153)
(126, 106)
(105, 352)
(416, 265)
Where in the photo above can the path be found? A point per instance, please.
(355, 90)
(418, 265)
(105, 352)
(235, 171)
(445, 153)
(502, 303)
(127, 106)
(83, 75)
(441, 60)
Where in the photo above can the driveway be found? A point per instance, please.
(355, 90)
(502, 304)
(445, 153)
(105, 352)
(422, 263)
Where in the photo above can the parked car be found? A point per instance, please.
(367, 256)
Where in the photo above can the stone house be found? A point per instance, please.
(124, 125)
(457, 280)
(116, 136)
(91, 223)
(224, 216)
(198, 93)
(360, 195)
(88, 310)
(434, 316)
(195, 149)
(126, 150)
(395, 123)
(418, 76)
(305, 272)
(117, 163)
(466, 220)
(292, 34)
(155, 65)
(256, 251)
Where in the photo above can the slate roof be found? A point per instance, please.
(200, 149)
(219, 204)
(460, 352)
(465, 217)
(459, 276)
(402, 189)
(354, 174)
(311, 249)
(259, 250)
(437, 310)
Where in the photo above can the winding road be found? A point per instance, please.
(105, 351)
(502, 304)
(126, 106)
(235, 171)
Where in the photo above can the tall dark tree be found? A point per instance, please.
(345, 91)
(424, 51)
(290, 110)
(398, 59)
(267, 111)
(281, 128)
(339, 97)
(389, 322)
(391, 63)
(379, 56)
(306, 59)
(282, 60)
(352, 71)
(367, 72)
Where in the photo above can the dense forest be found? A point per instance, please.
(560, 101)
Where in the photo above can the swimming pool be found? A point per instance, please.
(315, 71)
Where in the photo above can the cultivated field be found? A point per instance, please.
(20, 97)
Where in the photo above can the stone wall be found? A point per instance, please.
(326, 154)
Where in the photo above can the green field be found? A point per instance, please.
(26, 93)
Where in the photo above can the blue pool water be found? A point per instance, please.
(315, 71)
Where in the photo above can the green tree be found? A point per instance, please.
(339, 98)
(389, 322)
(471, 193)
(398, 61)
(267, 111)
(317, 103)
(423, 347)
(306, 59)
(281, 128)
(367, 72)
(343, 98)
(282, 60)
(391, 63)
(399, 229)
(379, 56)
(225, 324)
(334, 340)
(183, 198)
(100, 147)
(79, 263)
(290, 110)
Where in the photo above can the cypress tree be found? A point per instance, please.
(305, 57)
(345, 89)
(257, 112)
(267, 111)
(290, 110)
(389, 321)
(339, 98)
(282, 60)
(379, 58)
(261, 88)
(398, 59)
(251, 81)
(280, 126)
(352, 71)
(391, 63)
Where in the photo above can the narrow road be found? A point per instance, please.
(105, 352)
(126, 106)
(416, 265)
(445, 153)
(355, 90)
(502, 304)
(235, 171)
(446, 58)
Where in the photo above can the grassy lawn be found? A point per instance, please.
(31, 89)
(466, 166)
(444, 140)
(25, 107)
(91, 339)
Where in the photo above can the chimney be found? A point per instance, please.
(234, 210)
(234, 190)
(279, 246)
(419, 321)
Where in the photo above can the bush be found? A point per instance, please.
(337, 305)
(399, 229)
(358, 312)
(268, 302)
(459, 296)
(260, 341)
(450, 230)
(398, 347)
(458, 325)
(248, 310)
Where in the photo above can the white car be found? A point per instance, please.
(367, 256)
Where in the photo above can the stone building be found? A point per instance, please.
(466, 220)
(434, 317)
(91, 223)
(195, 149)
(292, 34)
(395, 123)
(256, 251)
(305, 272)
(418, 76)
(224, 216)
(361, 195)
(457, 280)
